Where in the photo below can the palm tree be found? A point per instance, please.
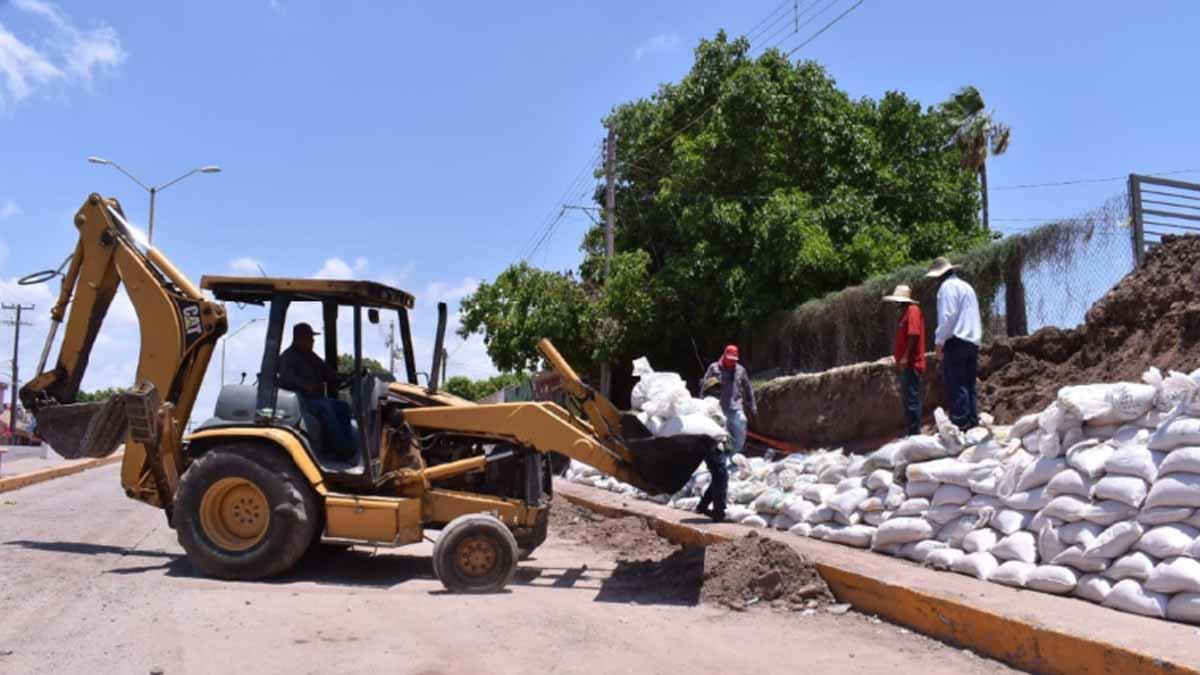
(975, 133)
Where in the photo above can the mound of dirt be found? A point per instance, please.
(746, 572)
(1150, 318)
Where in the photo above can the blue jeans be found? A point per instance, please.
(960, 361)
(337, 437)
(718, 488)
(735, 422)
(910, 392)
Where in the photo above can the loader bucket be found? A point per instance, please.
(76, 430)
(665, 463)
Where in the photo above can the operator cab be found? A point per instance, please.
(332, 307)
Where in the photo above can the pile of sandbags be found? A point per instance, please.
(665, 406)
(1096, 496)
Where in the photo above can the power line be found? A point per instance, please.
(1084, 181)
(758, 25)
(826, 27)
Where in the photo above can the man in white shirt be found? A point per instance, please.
(959, 333)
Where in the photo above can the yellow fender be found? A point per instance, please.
(286, 442)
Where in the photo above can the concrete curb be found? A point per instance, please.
(1026, 629)
(42, 475)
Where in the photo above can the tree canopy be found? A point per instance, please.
(748, 187)
(475, 390)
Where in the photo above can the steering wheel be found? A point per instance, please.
(344, 379)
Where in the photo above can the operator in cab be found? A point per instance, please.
(302, 371)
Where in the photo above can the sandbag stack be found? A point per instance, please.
(1096, 496)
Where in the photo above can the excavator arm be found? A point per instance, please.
(179, 330)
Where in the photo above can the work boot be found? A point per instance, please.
(717, 517)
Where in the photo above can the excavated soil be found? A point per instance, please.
(1150, 318)
(740, 574)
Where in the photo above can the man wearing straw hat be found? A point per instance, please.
(909, 354)
(959, 332)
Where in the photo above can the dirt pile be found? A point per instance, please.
(747, 572)
(1150, 318)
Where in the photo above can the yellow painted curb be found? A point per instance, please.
(34, 477)
(1045, 643)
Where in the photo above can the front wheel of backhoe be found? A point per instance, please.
(475, 553)
(244, 512)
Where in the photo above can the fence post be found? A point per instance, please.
(1135, 219)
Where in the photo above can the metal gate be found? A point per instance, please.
(1160, 207)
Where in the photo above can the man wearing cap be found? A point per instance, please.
(958, 336)
(302, 371)
(730, 379)
(909, 354)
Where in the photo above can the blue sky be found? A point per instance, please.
(424, 144)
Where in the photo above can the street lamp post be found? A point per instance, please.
(152, 189)
(226, 339)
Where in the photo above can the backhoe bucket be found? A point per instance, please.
(666, 463)
(78, 430)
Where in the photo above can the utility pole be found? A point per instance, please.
(610, 216)
(796, 15)
(392, 348)
(445, 358)
(16, 323)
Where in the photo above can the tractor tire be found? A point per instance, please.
(244, 512)
(475, 553)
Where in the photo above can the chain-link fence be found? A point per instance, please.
(1045, 276)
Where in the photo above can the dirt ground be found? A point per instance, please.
(1150, 318)
(92, 582)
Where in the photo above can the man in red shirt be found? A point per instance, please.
(909, 354)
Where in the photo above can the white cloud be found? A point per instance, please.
(245, 266)
(66, 55)
(663, 42)
(8, 209)
(361, 267)
(335, 268)
(440, 291)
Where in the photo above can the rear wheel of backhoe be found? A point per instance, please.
(244, 512)
(475, 553)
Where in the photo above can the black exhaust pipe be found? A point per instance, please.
(438, 341)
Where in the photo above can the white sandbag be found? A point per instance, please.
(1114, 541)
(1030, 500)
(1039, 473)
(782, 522)
(921, 488)
(822, 531)
(918, 551)
(801, 529)
(772, 501)
(977, 435)
(1184, 607)
(857, 467)
(919, 449)
(1134, 460)
(1040, 519)
(1052, 579)
(1129, 490)
(988, 485)
(695, 424)
(847, 502)
(1130, 435)
(1032, 440)
(686, 503)
(1069, 438)
(1069, 482)
(1049, 444)
(1023, 426)
(858, 536)
(977, 503)
(1128, 595)
(1192, 520)
(799, 509)
(980, 541)
(1016, 546)
(1130, 401)
(1136, 565)
(940, 515)
(1089, 458)
(895, 497)
(1093, 587)
(1109, 512)
(1049, 544)
(943, 558)
(744, 491)
(885, 457)
(1162, 515)
(956, 530)
(902, 531)
(951, 437)
(1008, 521)
(851, 482)
(851, 518)
(832, 474)
(1177, 489)
(880, 479)
(817, 493)
(950, 494)
(950, 470)
(913, 507)
(1099, 433)
(821, 514)
(1089, 402)
(1067, 508)
(871, 505)
(1167, 541)
(753, 521)
(875, 518)
(1176, 432)
(1177, 575)
(1181, 460)
(1073, 556)
(734, 513)
(1013, 573)
(979, 565)
(1082, 532)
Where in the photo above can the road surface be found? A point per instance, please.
(92, 582)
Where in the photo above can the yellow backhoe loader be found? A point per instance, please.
(253, 488)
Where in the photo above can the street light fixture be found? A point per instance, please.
(211, 168)
(226, 339)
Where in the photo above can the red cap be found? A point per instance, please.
(731, 352)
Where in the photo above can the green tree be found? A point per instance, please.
(474, 390)
(976, 134)
(345, 364)
(750, 186)
(99, 394)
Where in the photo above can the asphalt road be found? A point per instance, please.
(92, 582)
